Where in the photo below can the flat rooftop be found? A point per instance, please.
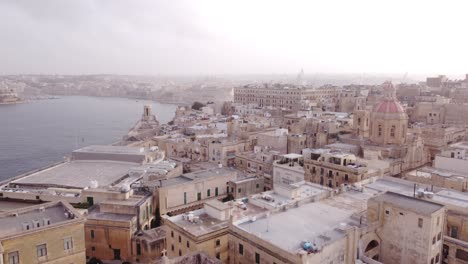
(77, 174)
(96, 214)
(404, 187)
(204, 225)
(409, 203)
(197, 175)
(8, 205)
(426, 172)
(207, 224)
(460, 145)
(112, 149)
(52, 213)
(318, 222)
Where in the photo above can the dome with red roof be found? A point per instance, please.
(389, 103)
(388, 106)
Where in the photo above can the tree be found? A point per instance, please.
(197, 106)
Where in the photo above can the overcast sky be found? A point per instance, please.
(233, 37)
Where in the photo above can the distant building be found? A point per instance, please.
(288, 97)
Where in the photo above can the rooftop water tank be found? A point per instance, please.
(306, 245)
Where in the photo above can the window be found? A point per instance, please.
(172, 234)
(239, 191)
(138, 249)
(41, 250)
(208, 193)
(387, 212)
(380, 130)
(172, 247)
(93, 249)
(218, 242)
(257, 258)
(180, 252)
(461, 254)
(438, 220)
(185, 198)
(454, 232)
(420, 222)
(437, 258)
(199, 196)
(217, 255)
(180, 239)
(257, 186)
(188, 244)
(392, 131)
(13, 257)
(433, 240)
(67, 243)
(216, 191)
(241, 249)
(92, 234)
(432, 260)
(439, 236)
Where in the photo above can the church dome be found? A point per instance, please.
(388, 106)
(389, 103)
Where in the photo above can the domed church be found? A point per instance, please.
(388, 119)
(382, 133)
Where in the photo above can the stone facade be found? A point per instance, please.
(48, 237)
(333, 169)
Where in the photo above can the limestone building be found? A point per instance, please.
(410, 229)
(334, 168)
(44, 233)
(190, 190)
(382, 133)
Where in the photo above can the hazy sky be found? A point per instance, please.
(233, 37)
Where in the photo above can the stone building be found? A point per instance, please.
(334, 168)
(45, 233)
(296, 143)
(438, 137)
(147, 245)
(454, 231)
(275, 140)
(382, 133)
(111, 227)
(258, 162)
(440, 113)
(388, 120)
(204, 230)
(246, 186)
(288, 169)
(224, 151)
(277, 96)
(146, 127)
(420, 241)
(190, 190)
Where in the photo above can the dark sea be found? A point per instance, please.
(35, 134)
